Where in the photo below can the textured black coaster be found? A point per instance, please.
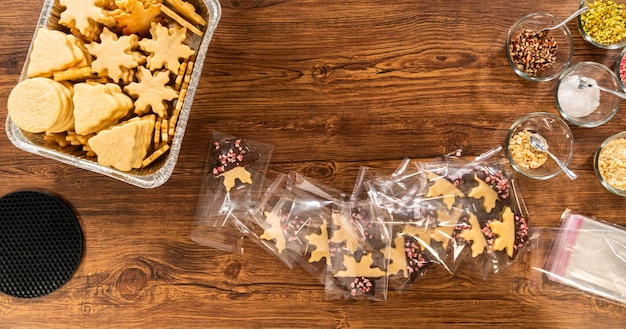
(41, 244)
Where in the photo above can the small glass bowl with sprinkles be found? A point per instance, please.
(604, 24)
(539, 56)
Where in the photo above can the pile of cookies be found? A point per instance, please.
(110, 78)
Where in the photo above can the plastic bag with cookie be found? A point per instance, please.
(292, 225)
(392, 195)
(492, 228)
(353, 242)
(233, 183)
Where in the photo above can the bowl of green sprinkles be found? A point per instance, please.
(535, 55)
(604, 24)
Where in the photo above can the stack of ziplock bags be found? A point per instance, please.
(385, 234)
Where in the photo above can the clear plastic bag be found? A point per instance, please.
(234, 180)
(355, 266)
(391, 192)
(584, 253)
(478, 214)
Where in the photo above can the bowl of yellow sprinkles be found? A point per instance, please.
(604, 24)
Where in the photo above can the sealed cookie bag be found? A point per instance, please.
(234, 181)
(483, 197)
(355, 240)
(410, 224)
(291, 224)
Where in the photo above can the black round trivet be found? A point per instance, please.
(41, 244)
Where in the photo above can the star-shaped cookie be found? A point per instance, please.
(397, 256)
(84, 16)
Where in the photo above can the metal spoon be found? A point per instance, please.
(574, 15)
(539, 143)
(583, 84)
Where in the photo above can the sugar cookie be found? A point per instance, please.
(98, 106)
(320, 242)
(40, 104)
(362, 268)
(484, 191)
(124, 146)
(135, 16)
(116, 57)
(274, 231)
(443, 188)
(151, 92)
(475, 235)
(166, 47)
(236, 174)
(397, 257)
(505, 231)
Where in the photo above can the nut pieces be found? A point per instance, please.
(532, 52)
(523, 153)
(612, 163)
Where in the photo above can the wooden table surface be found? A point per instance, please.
(332, 85)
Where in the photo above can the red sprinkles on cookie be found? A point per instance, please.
(361, 285)
(414, 256)
(521, 232)
(499, 183)
(231, 153)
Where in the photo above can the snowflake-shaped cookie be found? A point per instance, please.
(85, 17)
(135, 16)
(166, 47)
(115, 57)
(151, 91)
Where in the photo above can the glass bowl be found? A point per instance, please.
(531, 23)
(558, 136)
(587, 18)
(609, 161)
(620, 69)
(587, 107)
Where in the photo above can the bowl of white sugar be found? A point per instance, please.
(579, 97)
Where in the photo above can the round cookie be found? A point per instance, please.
(39, 104)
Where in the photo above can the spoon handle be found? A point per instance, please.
(574, 15)
(611, 91)
(566, 170)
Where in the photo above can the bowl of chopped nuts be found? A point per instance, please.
(604, 24)
(535, 55)
(609, 163)
(579, 97)
(527, 160)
